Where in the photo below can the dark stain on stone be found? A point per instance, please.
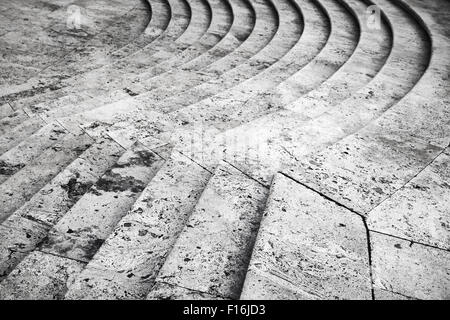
(130, 92)
(9, 169)
(74, 188)
(143, 158)
(113, 182)
(398, 246)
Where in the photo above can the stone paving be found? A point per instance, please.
(224, 149)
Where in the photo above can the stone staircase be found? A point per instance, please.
(230, 149)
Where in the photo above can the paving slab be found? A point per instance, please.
(419, 211)
(366, 168)
(308, 247)
(411, 269)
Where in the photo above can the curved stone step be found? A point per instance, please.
(159, 21)
(395, 149)
(112, 76)
(286, 36)
(89, 41)
(80, 232)
(164, 72)
(21, 186)
(144, 236)
(74, 83)
(30, 224)
(293, 135)
(263, 8)
(178, 25)
(398, 153)
(367, 60)
(236, 106)
(265, 94)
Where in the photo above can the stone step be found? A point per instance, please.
(262, 8)
(21, 186)
(80, 232)
(165, 83)
(89, 105)
(72, 85)
(65, 46)
(212, 252)
(30, 224)
(159, 20)
(283, 39)
(293, 135)
(144, 237)
(248, 100)
(19, 133)
(388, 147)
(12, 120)
(19, 156)
(114, 76)
(307, 248)
(366, 61)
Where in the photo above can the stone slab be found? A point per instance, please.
(411, 269)
(212, 252)
(420, 210)
(308, 248)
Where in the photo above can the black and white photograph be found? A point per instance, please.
(225, 153)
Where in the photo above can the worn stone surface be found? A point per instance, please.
(29, 225)
(323, 254)
(18, 237)
(380, 294)
(352, 108)
(408, 268)
(17, 157)
(41, 277)
(15, 192)
(165, 291)
(420, 211)
(212, 252)
(52, 31)
(81, 231)
(144, 236)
